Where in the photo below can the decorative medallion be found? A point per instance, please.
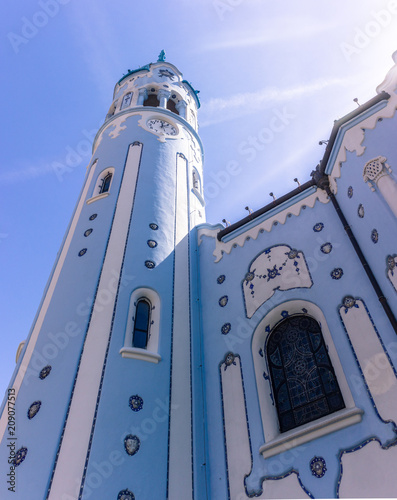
(249, 276)
(20, 456)
(350, 192)
(131, 444)
(93, 216)
(337, 273)
(284, 314)
(226, 328)
(34, 409)
(292, 254)
(374, 236)
(391, 263)
(152, 243)
(166, 73)
(45, 372)
(82, 252)
(318, 227)
(223, 301)
(153, 226)
(317, 466)
(136, 403)
(150, 264)
(360, 211)
(126, 495)
(349, 301)
(220, 279)
(88, 232)
(229, 359)
(326, 248)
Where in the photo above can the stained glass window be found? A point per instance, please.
(304, 383)
(141, 324)
(105, 183)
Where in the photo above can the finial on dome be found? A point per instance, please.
(161, 56)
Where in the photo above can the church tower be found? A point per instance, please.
(106, 392)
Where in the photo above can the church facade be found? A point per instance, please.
(171, 358)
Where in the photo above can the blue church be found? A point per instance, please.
(174, 359)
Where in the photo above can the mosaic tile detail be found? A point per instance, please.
(223, 301)
(33, 409)
(150, 264)
(350, 192)
(284, 314)
(337, 273)
(220, 279)
(136, 403)
(318, 227)
(349, 302)
(360, 211)
(131, 444)
(45, 372)
(326, 248)
(229, 360)
(374, 236)
(152, 243)
(153, 226)
(20, 456)
(318, 467)
(226, 328)
(93, 216)
(82, 252)
(125, 495)
(391, 263)
(88, 232)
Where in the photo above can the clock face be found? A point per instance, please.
(161, 127)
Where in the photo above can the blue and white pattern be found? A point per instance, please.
(136, 403)
(337, 273)
(33, 409)
(318, 467)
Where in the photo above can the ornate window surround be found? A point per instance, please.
(151, 352)
(275, 441)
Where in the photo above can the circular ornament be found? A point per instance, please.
(131, 444)
(249, 276)
(88, 232)
(152, 243)
(153, 226)
(220, 279)
(349, 301)
(33, 409)
(318, 467)
(161, 127)
(318, 227)
(337, 273)
(150, 264)
(350, 192)
(360, 211)
(125, 495)
(136, 403)
(292, 254)
(45, 372)
(82, 252)
(229, 360)
(374, 236)
(20, 456)
(93, 216)
(226, 328)
(391, 263)
(326, 248)
(223, 301)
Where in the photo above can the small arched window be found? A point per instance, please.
(304, 384)
(104, 187)
(172, 106)
(126, 100)
(141, 324)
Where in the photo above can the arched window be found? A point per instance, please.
(141, 324)
(126, 100)
(104, 187)
(152, 101)
(304, 384)
(172, 106)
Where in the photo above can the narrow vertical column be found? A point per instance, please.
(180, 448)
(181, 108)
(377, 173)
(142, 96)
(163, 96)
(76, 436)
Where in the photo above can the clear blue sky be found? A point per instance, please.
(273, 77)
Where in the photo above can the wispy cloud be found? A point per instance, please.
(25, 174)
(219, 109)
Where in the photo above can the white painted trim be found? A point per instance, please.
(268, 410)
(312, 430)
(19, 350)
(137, 353)
(97, 197)
(71, 459)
